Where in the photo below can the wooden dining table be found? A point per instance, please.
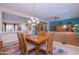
(37, 41)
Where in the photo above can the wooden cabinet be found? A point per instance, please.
(71, 38)
(66, 38)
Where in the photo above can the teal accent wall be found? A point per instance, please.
(65, 21)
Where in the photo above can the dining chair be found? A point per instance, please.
(48, 46)
(24, 46)
(1, 49)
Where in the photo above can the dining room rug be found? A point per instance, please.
(14, 50)
(59, 51)
(11, 49)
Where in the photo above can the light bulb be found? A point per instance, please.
(36, 19)
(33, 21)
(32, 18)
(38, 22)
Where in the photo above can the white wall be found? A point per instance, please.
(12, 36)
(8, 37)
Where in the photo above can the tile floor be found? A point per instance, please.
(72, 50)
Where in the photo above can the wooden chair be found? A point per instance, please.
(1, 49)
(48, 46)
(24, 46)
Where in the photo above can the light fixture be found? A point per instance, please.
(33, 20)
(38, 22)
(37, 19)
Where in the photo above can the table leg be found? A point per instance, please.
(37, 49)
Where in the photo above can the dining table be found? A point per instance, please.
(37, 40)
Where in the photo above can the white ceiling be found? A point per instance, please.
(45, 11)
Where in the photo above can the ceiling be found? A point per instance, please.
(45, 11)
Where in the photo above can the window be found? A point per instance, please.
(9, 27)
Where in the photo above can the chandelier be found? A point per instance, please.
(33, 20)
